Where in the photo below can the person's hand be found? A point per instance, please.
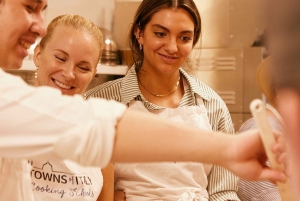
(280, 149)
(247, 158)
(119, 196)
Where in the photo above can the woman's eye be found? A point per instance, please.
(185, 38)
(160, 34)
(83, 68)
(60, 59)
(30, 9)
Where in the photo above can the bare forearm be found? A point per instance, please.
(146, 138)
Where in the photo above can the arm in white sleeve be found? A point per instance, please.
(40, 122)
(33, 120)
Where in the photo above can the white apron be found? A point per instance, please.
(177, 181)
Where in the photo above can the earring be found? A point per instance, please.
(35, 74)
(141, 47)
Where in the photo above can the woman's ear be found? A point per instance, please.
(138, 34)
(37, 52)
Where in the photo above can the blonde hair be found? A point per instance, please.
(78, 23)
(265, 80)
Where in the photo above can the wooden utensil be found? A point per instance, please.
(259, 113)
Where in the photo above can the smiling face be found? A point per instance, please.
(167, 40)
(22, 22)
(68, 61)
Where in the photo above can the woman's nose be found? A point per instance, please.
(171, 46)
(68, 72)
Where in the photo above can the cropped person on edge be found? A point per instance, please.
(40, 122)
(284, 43)
(263, 190)
(66, 58)
(162, 37)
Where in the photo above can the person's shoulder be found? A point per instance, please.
(250, 124)
(105, 90)
(258, 190)
(207, 89)
(5, 76)
(198, 85)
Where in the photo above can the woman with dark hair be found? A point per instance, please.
(163, 34)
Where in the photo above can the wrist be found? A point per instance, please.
(223, 150)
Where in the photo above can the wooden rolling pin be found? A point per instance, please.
(259, 113)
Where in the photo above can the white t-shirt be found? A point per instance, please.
(40, 123)
(64, 180)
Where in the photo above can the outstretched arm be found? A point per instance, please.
(146, 138)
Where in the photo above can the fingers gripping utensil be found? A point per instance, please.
(259, 113)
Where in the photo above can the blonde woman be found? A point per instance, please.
(263, 190)
(66, 58)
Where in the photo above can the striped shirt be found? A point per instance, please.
(222, 184)
(259, 190)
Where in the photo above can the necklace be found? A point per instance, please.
(161, 95)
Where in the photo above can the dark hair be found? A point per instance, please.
(143, 15)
